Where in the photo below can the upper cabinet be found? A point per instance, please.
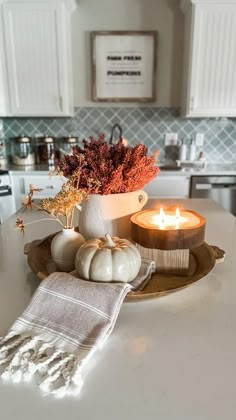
(4, 94)
(38, 57)
(209, 82)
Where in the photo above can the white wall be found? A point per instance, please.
(161, 15)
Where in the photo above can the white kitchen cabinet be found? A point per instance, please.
(50, 186)
(209, 78)
(168, 186)
(38, 57)
(4, 109)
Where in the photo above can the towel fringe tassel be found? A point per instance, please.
(23, 356)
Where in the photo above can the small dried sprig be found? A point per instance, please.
(64, 203)
(61, 208)
(28, 201)
(20, 225)
(34, 189)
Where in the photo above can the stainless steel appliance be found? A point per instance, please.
(221, 189)
(7, 202)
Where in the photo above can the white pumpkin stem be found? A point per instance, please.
(109, 242)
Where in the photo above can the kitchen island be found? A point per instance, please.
(171, 358)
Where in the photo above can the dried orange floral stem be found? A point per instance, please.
(62, 206)
(101, 168)
(41, 220)
(53, 217)
(72, 217)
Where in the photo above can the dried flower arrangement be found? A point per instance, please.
(103, 168)
(61, 208)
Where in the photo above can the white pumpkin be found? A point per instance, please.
(108, 259)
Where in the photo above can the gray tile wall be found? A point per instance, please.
(147, 125)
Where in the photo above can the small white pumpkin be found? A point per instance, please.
(108, 259)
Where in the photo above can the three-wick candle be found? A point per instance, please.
(168, 229)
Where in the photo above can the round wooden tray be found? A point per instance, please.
(202, 260)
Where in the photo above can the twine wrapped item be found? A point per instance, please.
(67, 320)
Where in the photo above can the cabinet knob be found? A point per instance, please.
(50, 187)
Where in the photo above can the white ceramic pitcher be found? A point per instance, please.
(110, 213)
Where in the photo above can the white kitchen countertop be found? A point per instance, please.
(210, 169)
(171, 358)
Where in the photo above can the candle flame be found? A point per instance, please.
(162, 215)
(177, 213)
(164, 220)
(177, 217)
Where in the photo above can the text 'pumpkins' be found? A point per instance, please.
(108, 259)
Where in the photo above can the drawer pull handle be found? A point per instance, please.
(50, 187)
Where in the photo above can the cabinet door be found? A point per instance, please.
(3, 74)
(168, 186)
(50, 185)
(37, 57)
(212, 82)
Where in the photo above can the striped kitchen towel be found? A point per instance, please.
(66, 321)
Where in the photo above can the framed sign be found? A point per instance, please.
(124, 66)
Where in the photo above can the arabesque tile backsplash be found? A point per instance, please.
(145, 124)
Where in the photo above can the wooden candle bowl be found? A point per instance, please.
(163, 239)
